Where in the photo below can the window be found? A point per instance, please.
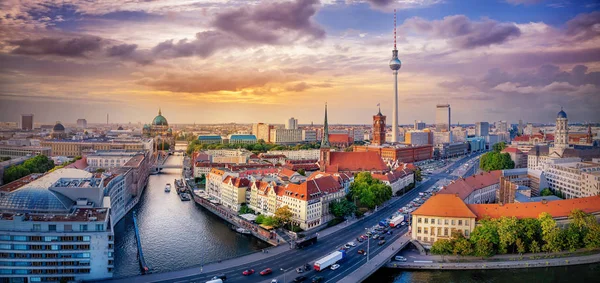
(37, 227)
(86, 238)
(99, 227)
(466, 232)
(426, 220)
(453, 222)
(425, 230)
(459, 222)
(54, 247)
(5, 246)
(52, 227)
(439, 221)
(419, 220)
(20, 238)
(83, 227)
(439, 231)
(445, 221)
(418, 230)
(4, 238)
(467, 222)
(20, 247)
(445, 231)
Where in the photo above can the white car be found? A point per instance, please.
(335, 266)
(352, 244)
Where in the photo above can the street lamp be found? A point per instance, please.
(368, 246)
(284, 270)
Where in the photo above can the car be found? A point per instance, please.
(360, 252)
(360, 240)
(307, 267)
(375, 236)
(399, 258)
(299, 279)
(364, 237)
(274, 281)
(220, 276)
(390, 232)
(381, 242)
(335, 266)
(266, 271)
(299, 269)
(248, 272)
(317, 279)
(352, 244)
(369, 234)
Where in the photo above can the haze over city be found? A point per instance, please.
(246, 61)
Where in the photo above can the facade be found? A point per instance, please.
(81, 123)
(416, 138)
(501, 126)
(241, 139)
(476, 144)
(561, 133)
(439, 217)
(419, 125)
(286, 136)
(482, 129)
(307, 154)
(517, 156)
(478, 188)
(233, 192)
(441, 137)
(378, 129)
(459, 134)
(309, 135)
(397, 179)
(210, 139)
(402, 154)
(262, 131)
(341, 140)
(27, 122)
(291, 124)
(73, 148)
(20, 151)
(109, 159)
(575, 179)
(446, 150)
(442, 118)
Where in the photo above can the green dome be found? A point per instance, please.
(170, 130)
(159, 120)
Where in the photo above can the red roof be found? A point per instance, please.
(393, 176)
(314, 188)
(557, 208)
(286, 172)
(444, 205)
(465, 186)
(339, 138)
(355, 161)
(79, 164)
(512, 150)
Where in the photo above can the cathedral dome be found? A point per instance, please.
(159, 120)
(561, 114)
(58, 127)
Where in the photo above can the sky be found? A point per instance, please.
(247, 61)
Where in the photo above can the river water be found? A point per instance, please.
(175, 234)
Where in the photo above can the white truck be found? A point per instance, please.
(329, 259)
(396, 220)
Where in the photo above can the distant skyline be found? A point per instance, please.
(220, 61)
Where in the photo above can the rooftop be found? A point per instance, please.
(558, 208)
(356, 161)
(463, 187)
(444, 205)
(79, 214)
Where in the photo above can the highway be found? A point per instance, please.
(292, 259)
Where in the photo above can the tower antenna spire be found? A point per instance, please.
(394, 29)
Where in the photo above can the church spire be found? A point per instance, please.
(159, 112)
(325, 140)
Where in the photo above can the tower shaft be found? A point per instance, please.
(395, 118)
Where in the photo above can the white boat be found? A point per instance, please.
(242, 230)
(168, 188)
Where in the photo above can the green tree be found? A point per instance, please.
(591, 240)
(551, 234)
(495, 160)
(521, 248)
(283, 215)
(546, 192)
(507, 233)
(342, 208)
(301, 172)
(418, 176)
(442, 247)
(271, 221)
(462, 245)
(260, 219)
(369, 191)
(534, 247)
(529, 230)
(487, 230)
(483, 248)
(499, 146)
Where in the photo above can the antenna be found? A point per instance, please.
(394, 29)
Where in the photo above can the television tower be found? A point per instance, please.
(395, 65)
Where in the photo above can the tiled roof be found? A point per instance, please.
(511, 150)
(558, 208)
(314, 188)
(465, 186)
(286, 172)
(79, 164)
(356, 161)
(393, 176)
(444, 205)
(339, 138)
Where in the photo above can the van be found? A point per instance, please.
(399, 258)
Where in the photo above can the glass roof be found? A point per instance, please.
(35, 199)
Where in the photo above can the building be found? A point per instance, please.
(378, 129)
(19, 151)
(340, 140)
(210, 139)
(478, 188)
(399, 153)
(307, 154)
(109, 159)
(241, 139)
(309, 135)
(459, 134)
(233, 192)
(517, 156)
(501, 126)
(262, 131)
(67, 236)
(561, 133)
(482, 129)
(574, 179)
(397, 179)
(476, 144)
(442, 214)
(286, 136)
(27, 122)
(58, 131)
(81, 123)
(291, 124)
(416, 138)
(419, 125)
(159, 126)
(73, 148)
(447, 150)
(439, 217)
(442, 118)
(441, 137)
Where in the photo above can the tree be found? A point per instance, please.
(369, 191)
(521, 248)
(283, 215)
(342, 208)
(483, 248)
(546, 192)
(495, 160)
(551, 234)
(462, 245)
(534, 247)
(507, 233)
(499, 146)
(442, 247)
(418, 176)
(271, 221)
(487, 230)
(301, 172)
(260, 219)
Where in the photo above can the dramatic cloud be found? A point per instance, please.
(273, 23)
(302, 86)
(70, 47)
(121, 50)
(398, 4)
(461, 32)
(584, 26)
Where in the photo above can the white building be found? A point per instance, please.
(308, 154)
(417, 137)
(459, 134)
(291, 124)
(309, 135)
(575, 179)
(109, 159)
(441, 137)
(262, 131)
(286, 136)
(442, 117)
(482, 129)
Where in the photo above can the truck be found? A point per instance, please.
(396, 220)
(329, 259)
(383, 223)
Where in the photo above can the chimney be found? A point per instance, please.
(544, 201)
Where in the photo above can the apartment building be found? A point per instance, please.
(574, 179)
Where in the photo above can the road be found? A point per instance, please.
(292, 259)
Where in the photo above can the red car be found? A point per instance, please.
(266, 271)
(248, 272)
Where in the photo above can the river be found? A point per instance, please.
(576, 273)
(175, 234)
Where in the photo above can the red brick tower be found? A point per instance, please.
(379, 128)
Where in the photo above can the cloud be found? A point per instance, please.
(584, 26)
(121, 50)
(399, 4)
(463, 33)
(204, 45)
(273, 23)
(302, 86)
(524, 2)
(69, 47)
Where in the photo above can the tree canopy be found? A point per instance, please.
(369, 192)
(259, 147)
(342, 208)
(495, 160)
(38, 164)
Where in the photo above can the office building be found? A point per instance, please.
(482, 129)
(262, 131)
(441, 137)
(476, 144)
(27, 122)
(73, 148)
(81, 123)
(210, 139)
(291, 124)
(309, 135)
(308, 154)
(19, 151)
(478, 188)
(458, 134)
(447, 150)
(419, 125)
(501, 126)
(286, 136)
(416, 138)
(109, 159)
(520, 127)
(574, 179)
(442, 118)
(241, 139)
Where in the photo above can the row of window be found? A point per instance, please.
(44, 271)
(425, 230)
(23, 247)
(68, 227)
(446, 221)
(46, 263)
(46, 256)
(19, 238)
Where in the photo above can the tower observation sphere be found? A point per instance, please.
(395, 63)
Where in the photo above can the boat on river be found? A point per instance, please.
(242, 230)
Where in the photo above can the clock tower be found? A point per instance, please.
(379, 128)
